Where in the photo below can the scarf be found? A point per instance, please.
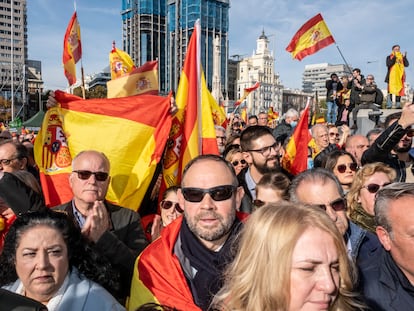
(363, 219)
(210, 265)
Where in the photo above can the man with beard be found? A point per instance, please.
(262, 153)
(183, 268)
(393, 145)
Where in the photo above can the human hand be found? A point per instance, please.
(407, 115)
(97, 222)
(51, 100)
(173, 106)
(156, 227)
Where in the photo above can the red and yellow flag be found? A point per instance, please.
(310, 38)
(120, 63)
(295, 159)
(141, 80)
(72, 49)
(192, 131)
(132, 132)
(246, 93)
(397, 75)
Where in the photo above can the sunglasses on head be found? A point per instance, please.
(235, 163)
(219, 193)
(373, 188)
(165, 204)
(337, 205)
(342, 167)
(84, 175)
(258, 203)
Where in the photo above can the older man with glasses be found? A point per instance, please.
(116, 231)
(13, 156)
(183, 269)
(319, 187)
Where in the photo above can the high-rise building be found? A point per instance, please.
(13, 49)
(160, 29)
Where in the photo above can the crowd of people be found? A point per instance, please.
(240, 231)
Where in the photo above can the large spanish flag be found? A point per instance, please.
(310, 38)
(141, 80)
(246, 93)
(295, 159)
(397, 76)
(131, 131)
(192, 131)
(72, 49)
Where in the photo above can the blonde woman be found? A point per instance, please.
(361, 197)
(291, 257)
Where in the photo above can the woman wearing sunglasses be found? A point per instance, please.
(344, 167)
(235, 157)
(361, 197)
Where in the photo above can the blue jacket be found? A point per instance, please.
(385, 287)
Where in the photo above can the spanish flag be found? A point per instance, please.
(141, 80)
(192, 131)
(72, 49)
(295, 159)
(246, 93)
(397, 75)
(131, 131)
(310, 38)
(120, 62)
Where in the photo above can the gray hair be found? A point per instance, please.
(315, 175)
(291, 113)
(385, 196)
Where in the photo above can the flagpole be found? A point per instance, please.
(83, 81)
(346, 63)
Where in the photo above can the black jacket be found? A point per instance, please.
(380, 150)
(385, 287)
(12, 301)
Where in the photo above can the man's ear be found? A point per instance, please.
(248, 157)
(384, 237)
(180, 198)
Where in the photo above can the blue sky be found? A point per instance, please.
(364, 31)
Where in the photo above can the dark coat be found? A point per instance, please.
(282, 131)
(12, 301)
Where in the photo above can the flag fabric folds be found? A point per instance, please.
(131, 131)
(295, 159)
(192, 131)
(246, 93)
(120, 63)
(310, 38)
(141, 80)
(397, 76)
(72, 49)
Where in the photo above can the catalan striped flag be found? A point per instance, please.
(72, 49)
(132, 132)
(295, 159)
(310, 38)
(246, 93)
(192, 132)
(141, 80)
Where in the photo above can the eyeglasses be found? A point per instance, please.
(165, 204)
(373, 188)
(242, 161)
(84, 175)
(7, 161)
(258, 203)
(265, 151)
(337, 205)
(342, 167)
(219, 193)
(334, 134)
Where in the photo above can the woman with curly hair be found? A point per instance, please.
(45, 258)
(361, 197)
(290, 257)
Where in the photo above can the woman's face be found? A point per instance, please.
(314, 276)
(333, 135)
(42, 262)
(343, 170)
(238, 162)
(367, 198)
(171, 214)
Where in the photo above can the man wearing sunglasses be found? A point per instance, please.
(116, 231)
(183, 269)
(393, 145)
(262, 153)
(320, 187)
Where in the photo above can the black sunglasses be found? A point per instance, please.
(235, 163)
(219, 193)
(258, 203)
(373, 188)
(84, 175)
(165, 204)
(342, 167)
(337, 205)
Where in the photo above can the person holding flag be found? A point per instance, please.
(395, 77)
